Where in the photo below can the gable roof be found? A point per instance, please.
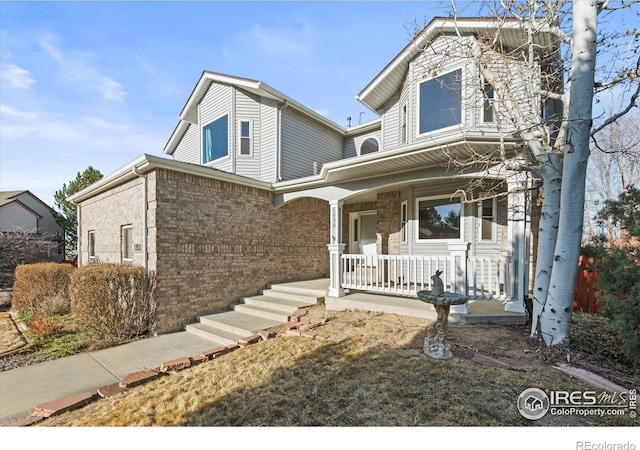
(189, 113)
(7, 197)
(390, 79)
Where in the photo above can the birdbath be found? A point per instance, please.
(435, 344)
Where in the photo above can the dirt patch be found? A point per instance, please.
(11, 338)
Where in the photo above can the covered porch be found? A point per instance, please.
(484, 311)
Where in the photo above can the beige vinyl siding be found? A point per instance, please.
(188, 150)
(390, 123)
(247, 108)
(268, 140)
(349, 150)
(216, 103)
(304, 143)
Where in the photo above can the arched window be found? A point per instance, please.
(369, 146)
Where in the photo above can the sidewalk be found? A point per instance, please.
(23, 388)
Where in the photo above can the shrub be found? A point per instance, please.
(42, 289)
(18, 248)
(114, 302)
(44, 326)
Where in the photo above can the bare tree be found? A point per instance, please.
(20, 247)
(543, 87)
(614, 165)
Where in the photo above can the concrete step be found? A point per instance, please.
(238, 323)
(283, 304)
(305, 299)
(219, 337)
(262, 312)
(315, 288)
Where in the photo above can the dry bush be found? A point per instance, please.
(42, 288)
(18, 248)
(115, 302)
(44, 326)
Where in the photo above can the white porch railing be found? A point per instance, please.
(481, 277)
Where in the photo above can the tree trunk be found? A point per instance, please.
(555, 317)
(551, 173)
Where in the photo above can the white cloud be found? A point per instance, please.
(280, 43)
(15, 76)
(79, 71)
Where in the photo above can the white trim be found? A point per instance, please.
(404, 221)
(365, 140)
(122, 243)
(417, 220)
(463, 93)
(240, 137)
(229, 139)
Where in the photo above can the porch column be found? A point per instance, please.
(517, 215)
(336, 248)
(459, 253)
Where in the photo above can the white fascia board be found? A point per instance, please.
(365, 127)
(176, 137)
(345, 164)
(146, 163)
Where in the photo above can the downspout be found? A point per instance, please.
(78, 236)
(144, 216)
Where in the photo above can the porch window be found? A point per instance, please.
(91, 244)
(127, 243)
(440, 102)
(487, 220)
(439, 218)
(245, 138)
(215, 139)
(403, 222)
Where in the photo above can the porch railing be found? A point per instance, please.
(480, 277)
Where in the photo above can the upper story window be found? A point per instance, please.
(487, 109)
(215, 139)
(440, 102)
(439, 218)
(245, 138)
(403, 125)
(370, 145)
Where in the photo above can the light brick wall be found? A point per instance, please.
(218, 241)
(105, 214)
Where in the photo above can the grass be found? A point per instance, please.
(298, 381)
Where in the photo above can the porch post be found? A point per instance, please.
(459, 253)
(517, 214)
(336, 248)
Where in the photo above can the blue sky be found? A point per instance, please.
(100, 83)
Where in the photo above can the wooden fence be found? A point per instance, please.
(584, 299)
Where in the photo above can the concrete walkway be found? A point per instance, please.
(23, 388)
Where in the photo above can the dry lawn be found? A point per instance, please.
(11, 339)
(363, 377)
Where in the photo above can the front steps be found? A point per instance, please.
(272, 308)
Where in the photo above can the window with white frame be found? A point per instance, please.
(487, 219)
(403, 125)
(127, 243)
(403, 221)
(246, 149)
(91, 244)
(487, 104)
(215, 139)
(369, 145)
(440, 102)
(439, 218)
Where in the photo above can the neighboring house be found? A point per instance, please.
(261, 189)
(23, 212)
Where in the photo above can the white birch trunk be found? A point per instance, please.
(555, 317)
(547, 234)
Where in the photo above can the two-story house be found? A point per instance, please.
(261, 189)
